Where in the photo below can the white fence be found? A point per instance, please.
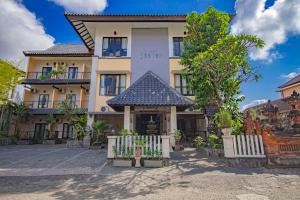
(241, 146)
(124, 146)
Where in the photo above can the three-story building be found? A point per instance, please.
(127, 72)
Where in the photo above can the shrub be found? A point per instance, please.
(199, 142)
(223, 118)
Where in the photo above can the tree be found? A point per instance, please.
(100, 126)
(79, 123)
(10, 76)
(216, 62)
(21, 113)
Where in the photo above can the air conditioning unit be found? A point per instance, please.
(104, 109)
(33, 90)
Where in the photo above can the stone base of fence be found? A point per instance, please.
(246, 162)
(284, 161)
(74, 144)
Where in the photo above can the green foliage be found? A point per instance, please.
(101, 126)
(177, 135)
(223, 118)
(134, 133)
(123, 132)
(152, 154)
(122, 153)
(199, 142)
(50, 119)
(79, 124)
(215, 142)
(100, 139)
(60, 70)
(139, 142)
(217, 62)
(21, 113)
(10, 76)
(66, 108)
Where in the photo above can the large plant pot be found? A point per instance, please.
(74, 144)
(227, 131)
(153, 163)
(122, 163)
(214, 153)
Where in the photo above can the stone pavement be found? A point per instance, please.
(190, 176)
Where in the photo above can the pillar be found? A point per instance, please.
(127, 118)
(228, 146)
(165, 146)
(111, 144)
(93, 85)
(173, 124)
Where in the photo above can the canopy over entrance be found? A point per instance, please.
(150, 90)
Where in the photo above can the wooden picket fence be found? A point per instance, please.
(247, 146)
(125, 145)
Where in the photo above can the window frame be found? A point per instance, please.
(174, 49)
(125, 50)
(118, 88)
(40, 105)
(189, 92)
(71, 73)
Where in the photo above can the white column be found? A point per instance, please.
(165, 146)
(93, 85)
(173, 124)
(111, 144)
(90, 120)
(127, 118)
(228, 146)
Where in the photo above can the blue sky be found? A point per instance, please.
(285, 61)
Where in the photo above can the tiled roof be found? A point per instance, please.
(55, 81)
(46, 111)
(61, 50)
(283, 106)
(291, 82)
(150, 90)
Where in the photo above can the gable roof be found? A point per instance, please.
(282, 105)
(150, 90)
(62, 50)
(291, 82)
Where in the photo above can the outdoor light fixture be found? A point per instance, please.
(115, 32)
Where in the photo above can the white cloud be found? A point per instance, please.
(20, 30)
(273, 24)
(82, 6)
(289, 76)
(254, 103)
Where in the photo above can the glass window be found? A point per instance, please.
(73, 73)
(72, 99)
(114, 46)
(43, 101)
(181, 85)
(46, 71)
(112, 84)
(177, 46)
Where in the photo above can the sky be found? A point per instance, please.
(38, 24)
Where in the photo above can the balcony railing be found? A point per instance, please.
(56, 104)
(64, 76)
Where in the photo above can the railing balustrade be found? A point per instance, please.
(64, 76)
(56, 104)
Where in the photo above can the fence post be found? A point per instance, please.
(228, 146)
(165, 146)
(110, 146)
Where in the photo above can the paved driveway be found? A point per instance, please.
(80, 174)
(37, 160)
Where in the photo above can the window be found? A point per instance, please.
(67, 131)
(72, 99)
(43, 101)
(177, 46)
(112, 85)
(46, 71)
(114, 46)
(181, 85)
(73, 73)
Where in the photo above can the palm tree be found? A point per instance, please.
(21, 113)
(79, 123)
(50, 121)
(100, 126)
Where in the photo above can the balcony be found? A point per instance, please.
(42, 78)
(43, 108)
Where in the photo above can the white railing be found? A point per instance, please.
(241, 146)
(152, 145)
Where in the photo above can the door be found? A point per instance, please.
(39, 132)
(73, 73)
(72, 99)
(46, 71)
(43, 101)
(67, 131)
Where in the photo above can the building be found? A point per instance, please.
(127, 72)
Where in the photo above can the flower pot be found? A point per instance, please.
(153, 163)
(122, 163)
(227, 131)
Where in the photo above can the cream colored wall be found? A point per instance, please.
(175, 30)
(286, 92)
(110, 66)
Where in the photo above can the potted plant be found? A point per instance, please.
(199, 142)
(177, 135)
(224, 121)
(100, 126)
(215, 146)
(122, 158)
(153, 158)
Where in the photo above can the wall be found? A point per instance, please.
(286, 92)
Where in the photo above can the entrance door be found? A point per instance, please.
(67, 131)
(73, 73)
(148, 124)
(39, 132)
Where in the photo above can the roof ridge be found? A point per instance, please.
(290, 82)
